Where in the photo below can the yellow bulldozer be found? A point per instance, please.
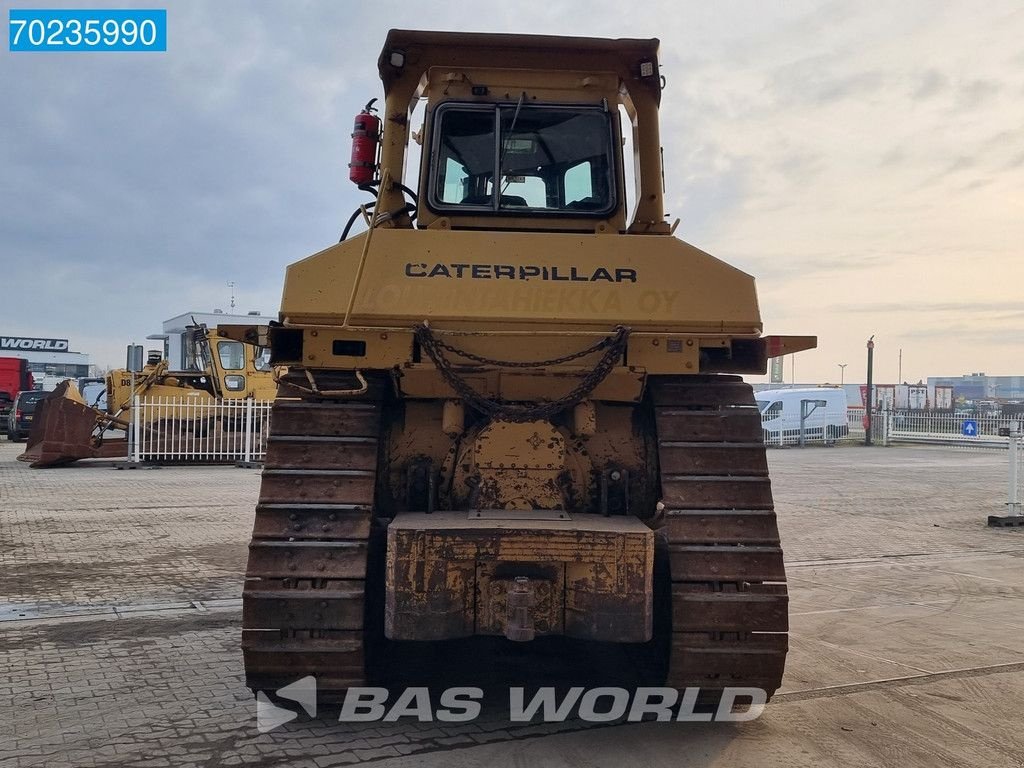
(66, 428)
(512, 406)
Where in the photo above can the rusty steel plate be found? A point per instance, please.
(721, 526)
(269, 608)
(308, 559)
(726, 563)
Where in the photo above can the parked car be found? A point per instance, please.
(5, 408)
(19, 420)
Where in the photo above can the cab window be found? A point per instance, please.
(231, 354)
(262, 359)
(511, 158)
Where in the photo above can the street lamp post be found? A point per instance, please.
(842, 372)
(870, 391)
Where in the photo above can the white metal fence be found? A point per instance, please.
(815, 432)
(944, 428)
(812, 435)
(855, 422)
(923, 427)
(199, 431)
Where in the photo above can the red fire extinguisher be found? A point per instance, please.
(365, 137)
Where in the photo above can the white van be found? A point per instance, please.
(780, 414)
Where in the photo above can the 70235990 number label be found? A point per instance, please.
(87, 30)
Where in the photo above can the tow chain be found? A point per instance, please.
(614, 347)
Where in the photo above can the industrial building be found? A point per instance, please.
(978, 386)
(46, 357)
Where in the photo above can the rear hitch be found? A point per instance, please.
(519, 621)
(614, 492)
(421, 485)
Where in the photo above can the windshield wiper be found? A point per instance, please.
(505, 143)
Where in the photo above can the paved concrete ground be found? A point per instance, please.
(119, 628)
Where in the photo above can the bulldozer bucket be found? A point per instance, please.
(63, 429)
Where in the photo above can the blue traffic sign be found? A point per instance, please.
(969, 428)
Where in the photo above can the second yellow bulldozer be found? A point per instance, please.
(66, 428)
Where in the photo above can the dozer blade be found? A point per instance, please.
(62, 431)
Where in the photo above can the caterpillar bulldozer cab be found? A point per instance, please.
(215, 367)
(512, 406)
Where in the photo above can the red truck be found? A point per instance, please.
(14, 377)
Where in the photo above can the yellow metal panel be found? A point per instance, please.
(422, 380)
(523, 279)
(456, 84)
(384, 349)
(665, 354)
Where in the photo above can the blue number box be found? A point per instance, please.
(87, 30)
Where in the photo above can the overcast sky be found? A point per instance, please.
(864, 161)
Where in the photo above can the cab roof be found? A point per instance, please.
(423, 49)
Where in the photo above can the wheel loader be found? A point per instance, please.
(66, 428)
(512, 406)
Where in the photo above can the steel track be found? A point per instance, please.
(729, 602)
(303, 606)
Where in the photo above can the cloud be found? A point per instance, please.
(930, 83)
(934, 307)
(964, 332)
(810, 81)
(863, 162)
(972, 94)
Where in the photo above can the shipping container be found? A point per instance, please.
(902, 397)
(884, 396)
(940, 397)
(911, 397)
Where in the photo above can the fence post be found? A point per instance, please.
(136, 452)
(1012, 499)
(886, 428)
(1013, 516)
(266, 411)
(249, 403)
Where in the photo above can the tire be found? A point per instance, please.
(13, 436)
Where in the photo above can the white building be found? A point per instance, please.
(46, 357)
(175, 347)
